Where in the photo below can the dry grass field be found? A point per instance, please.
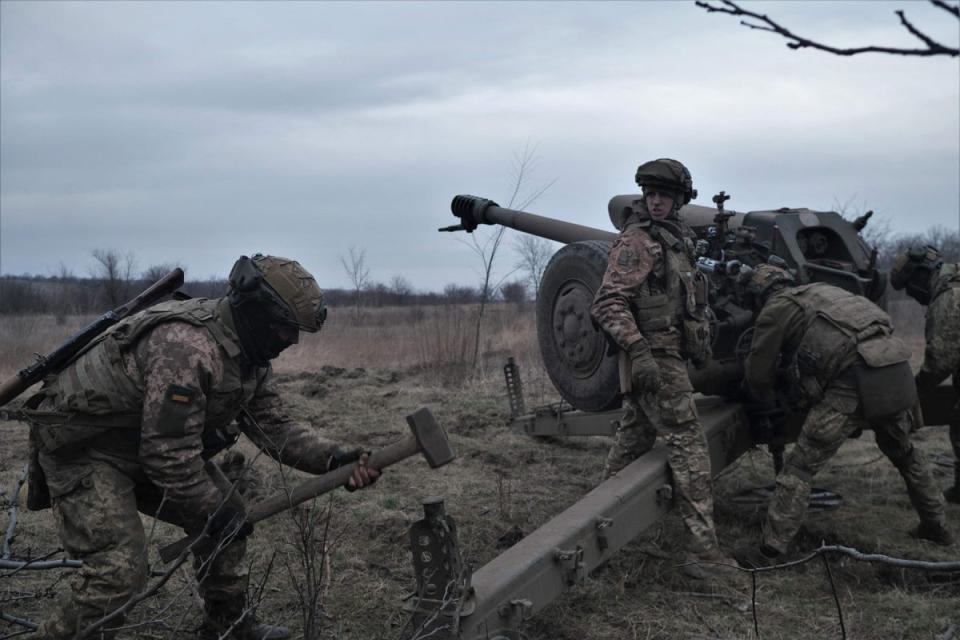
(358, 379)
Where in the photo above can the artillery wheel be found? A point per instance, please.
(574, 351)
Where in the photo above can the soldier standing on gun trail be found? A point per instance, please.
(936, 284)
(652, 303)
(128, 426)
(850, 372)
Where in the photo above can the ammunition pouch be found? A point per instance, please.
(697, 341)
(884, 378)
(656, 312)
(54, 430)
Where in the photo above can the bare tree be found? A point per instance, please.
(115, 270)
(401, 288)
(158, 271)
(535, 253)
(514, 292)
(359, 275)
(765, 23)
(524, 163)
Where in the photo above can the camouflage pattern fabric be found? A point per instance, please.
(643, 279)
(191, 391)
(780, 329)
(942, 355)
(671, 413)
(827, 426)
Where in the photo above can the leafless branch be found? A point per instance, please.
(12, 525)
(933, 48)
(833, 590)
(38, 565)
(31, 626)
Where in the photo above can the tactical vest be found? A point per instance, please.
(676, 295)
(97, 391)
(844, 329)
(948, 277)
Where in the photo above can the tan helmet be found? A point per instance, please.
(913, 269)
(766, 279)
(281, 287)
(670, 175)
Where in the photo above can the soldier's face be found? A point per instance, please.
(659, 203)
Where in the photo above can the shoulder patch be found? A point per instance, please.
(175, 411)
(626, 258)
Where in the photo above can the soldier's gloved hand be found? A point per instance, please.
(644, 372)
(363, 476)
(229, 522)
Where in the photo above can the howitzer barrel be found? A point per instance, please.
(474, 211)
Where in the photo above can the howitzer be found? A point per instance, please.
(817, 246)
(56, 360)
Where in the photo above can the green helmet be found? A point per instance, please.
(282, 288)
(266, 294)
(669, 175)
(913, 269)
(766, 279)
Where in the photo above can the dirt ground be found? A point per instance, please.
(503, 483)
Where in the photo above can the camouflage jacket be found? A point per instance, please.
(649, 284)
(942, 354)
(816, 328)
(185, 382)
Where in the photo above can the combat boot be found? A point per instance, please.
(706, 565)
(757, 557)
(935, 532)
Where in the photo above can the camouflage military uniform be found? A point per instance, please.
(159, 394)
(942, 355)
(647, 295)
(827, 333)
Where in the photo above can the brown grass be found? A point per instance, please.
(356, 381)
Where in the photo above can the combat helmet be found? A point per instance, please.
(914, 269)
(669, 175)
(765, 280)
(267, 293)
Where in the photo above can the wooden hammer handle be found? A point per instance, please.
(307, 490)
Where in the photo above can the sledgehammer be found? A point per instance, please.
(427, 437)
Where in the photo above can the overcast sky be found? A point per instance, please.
(193, 133)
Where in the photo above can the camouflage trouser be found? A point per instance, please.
(826, 427)
(672, 413)
(98, 522)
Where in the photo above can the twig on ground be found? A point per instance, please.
(6, 617)
(12, 525)
(836, 599)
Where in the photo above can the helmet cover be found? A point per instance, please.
(669, 175)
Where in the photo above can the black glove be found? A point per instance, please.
(644, 372)
(229, 522)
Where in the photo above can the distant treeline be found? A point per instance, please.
(71, 295)
(113, 281)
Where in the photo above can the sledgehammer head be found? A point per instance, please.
(431, 438)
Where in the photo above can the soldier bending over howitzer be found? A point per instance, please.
(652, 303)
(936, 284)
(129, 424)
(850, 371)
